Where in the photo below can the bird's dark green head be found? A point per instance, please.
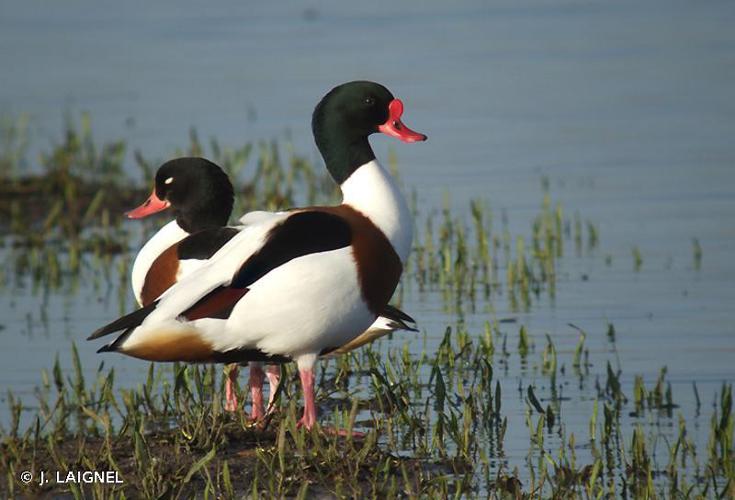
(347, 115)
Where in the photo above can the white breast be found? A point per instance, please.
(372, 191)
(168, 235)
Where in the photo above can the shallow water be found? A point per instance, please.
(627, 108)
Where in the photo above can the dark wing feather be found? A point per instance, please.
(302, 233)
(128, 321)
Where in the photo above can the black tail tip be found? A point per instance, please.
(106, 348)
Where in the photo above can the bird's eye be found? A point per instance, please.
(169, 180)
(369, 101)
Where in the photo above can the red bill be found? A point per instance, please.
(395, 127)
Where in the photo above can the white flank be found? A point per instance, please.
(310, 303)
(372, 191)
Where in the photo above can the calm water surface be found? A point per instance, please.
(628, 108)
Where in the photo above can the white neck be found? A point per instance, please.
(372, 191)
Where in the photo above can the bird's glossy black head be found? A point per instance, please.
(197, 190)
(347, 115)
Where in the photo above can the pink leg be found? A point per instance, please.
(307, 382)
(257, 377)
(230, 385)
(273, 372)
(309, 418)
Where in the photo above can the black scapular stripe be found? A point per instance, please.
(128, 321)
(204, 244)
(303, 233)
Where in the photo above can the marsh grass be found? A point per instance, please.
(435, 426)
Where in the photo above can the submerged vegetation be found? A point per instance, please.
(442, 412)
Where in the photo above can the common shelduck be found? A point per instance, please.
(298, 284)
(200, 195)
